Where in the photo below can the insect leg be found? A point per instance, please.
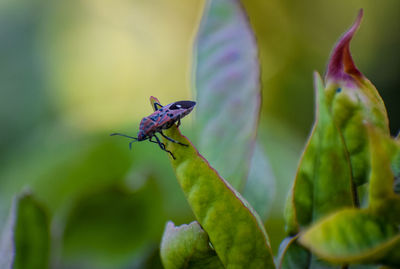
(172, 140)
(179, 122)
(155, 106)
(134, 139)
(162, 146)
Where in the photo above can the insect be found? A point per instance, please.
(163, 118)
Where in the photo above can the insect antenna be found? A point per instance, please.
(124, 135)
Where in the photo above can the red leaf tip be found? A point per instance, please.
(341, 66)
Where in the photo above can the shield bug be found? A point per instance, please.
(162, 118)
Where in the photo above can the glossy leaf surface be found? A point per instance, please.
(227, 89)
(234, 228)
(187, 246)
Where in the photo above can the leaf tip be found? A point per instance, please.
(341, 66)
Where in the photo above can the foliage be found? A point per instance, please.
(96, 205)
(348, 147)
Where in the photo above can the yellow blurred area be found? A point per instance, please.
(107, 57)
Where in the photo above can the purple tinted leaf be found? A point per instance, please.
(353, 100)
(25, 239)
(341, 66)
(260, 186)
(228, 89)
(7, 244)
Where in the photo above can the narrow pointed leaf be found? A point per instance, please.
(25, 240)
(354, 236)
(323, 180)
(187, 246)
(227, 89)
(234, 228)
(353, 100)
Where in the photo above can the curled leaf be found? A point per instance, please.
(234, 228)
(353, 100)
(187, 246)
(341, 66)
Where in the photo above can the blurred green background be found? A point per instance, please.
(72, 72)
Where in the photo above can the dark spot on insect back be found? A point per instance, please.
(182, 105)
(154, 118)
(170, 115)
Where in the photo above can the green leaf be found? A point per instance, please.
(187, 246)
(292, 255)
(323, 181)
(260, 186)
(353, 100)
(227, 84)
(382, 199)
(25, 240)
(234, 228)
(396, 168)
(354, 236)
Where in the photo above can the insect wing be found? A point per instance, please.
(165, 118)
(146, 125)
(182, 105)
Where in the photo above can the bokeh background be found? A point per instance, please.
(72, 72)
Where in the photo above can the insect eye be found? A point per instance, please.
(338, 90)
